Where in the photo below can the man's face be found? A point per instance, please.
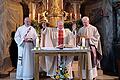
(85, 23)
(27, 22)
(60, 24)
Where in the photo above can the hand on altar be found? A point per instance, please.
(65, 46)
(60, 46)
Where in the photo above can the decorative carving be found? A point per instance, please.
(55, 10)
(68, 8)
(40, 8)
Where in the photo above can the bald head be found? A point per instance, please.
(27, 21)
(85, 18)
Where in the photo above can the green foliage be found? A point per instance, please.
(79, 23)
(36, 25)
(68, 24)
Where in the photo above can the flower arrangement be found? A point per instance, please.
(61, 72)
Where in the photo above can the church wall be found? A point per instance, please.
(109, 57)
(115, 0)
(116, 20)
(10, 17)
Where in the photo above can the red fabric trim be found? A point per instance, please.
(60, 37)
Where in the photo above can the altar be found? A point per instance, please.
(47, 51)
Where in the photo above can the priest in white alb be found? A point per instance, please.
(25, 38)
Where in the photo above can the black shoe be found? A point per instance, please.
(42, 74)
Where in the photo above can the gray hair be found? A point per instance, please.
(85, 18)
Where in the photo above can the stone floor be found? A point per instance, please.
(103, 77)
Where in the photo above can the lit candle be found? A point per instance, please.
(75, 16)
(62, 4)
(80, 16)
(38, 17)
(34, 8)
(30, 15)
(37, 42)
(83, 41)
(71, 16)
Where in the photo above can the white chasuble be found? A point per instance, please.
(94, 36)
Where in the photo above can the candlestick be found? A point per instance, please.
(37, 42)
(83, 42)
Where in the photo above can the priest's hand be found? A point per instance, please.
(88, 37)
(61, 46)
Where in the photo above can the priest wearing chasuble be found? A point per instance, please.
(56, 37)
(92, 40)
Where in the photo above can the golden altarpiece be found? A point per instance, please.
(40, 10)
(53, 10)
